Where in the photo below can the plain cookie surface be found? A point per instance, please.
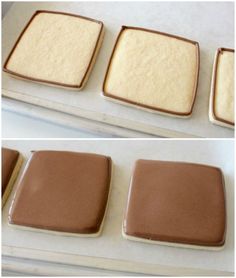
(176, 203)
(153, 70)
(222, 94)
(56, 48)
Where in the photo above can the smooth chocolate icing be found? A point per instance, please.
(63, 191)
(176, 202)
(9, 160)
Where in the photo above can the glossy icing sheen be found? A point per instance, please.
(177, 203)
(9, 160)
(63, 191)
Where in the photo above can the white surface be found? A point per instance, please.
(20, 120)
(20, 126)
(5, 7)
(20, 267)
(211, 24)
(111, 251)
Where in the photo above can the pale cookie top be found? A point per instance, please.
(56, 47)
(224, 86)
(153, 70)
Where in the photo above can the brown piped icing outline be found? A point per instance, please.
(48, 81)
(219, 51)
(144, 105)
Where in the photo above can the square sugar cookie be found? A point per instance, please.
(56, 48)
(221, 105)
(63, 192)
(177, 204)
(11, 164)
(153, 71)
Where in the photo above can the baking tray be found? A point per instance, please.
(209, 23)
(110, 251)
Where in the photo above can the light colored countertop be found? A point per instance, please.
(23, 120)
(19, 126)
(111, 251)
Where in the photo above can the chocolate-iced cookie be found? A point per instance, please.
(64, 192)
(176, 203)
(11, 163)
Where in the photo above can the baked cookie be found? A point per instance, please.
(176, 204)
(64, 192)
(11, 164)
(56, 48)
(154, 71)
(221, 105)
